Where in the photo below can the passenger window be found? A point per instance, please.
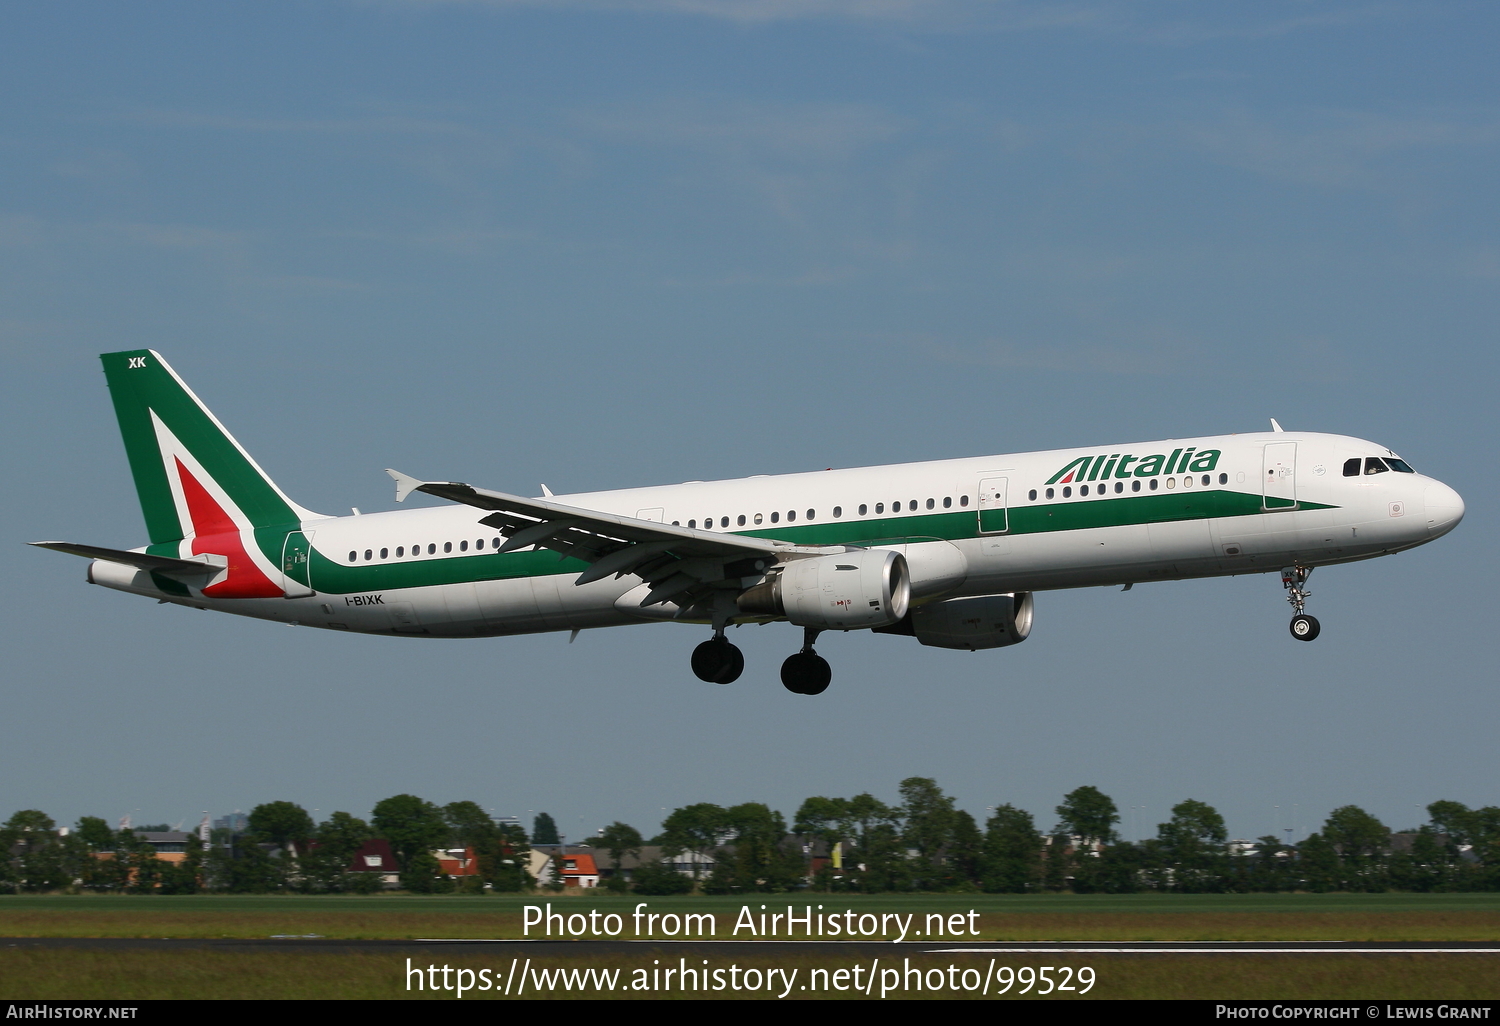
(1083, 490)
(1068, 492)
(1135, 485)
(1050, 493)
(740, 520)
(931, 503)
(1374, 465)
(385, 553)
(463, 546)
(947, 502)
(400, 551)
(1187, 482)
(863, 509)
(775, 518)
(912, 505)
(1351, 467)
(758, 518)
(494, 543)
(354, 557)
(368, 555)
(723, 521)
(693, 524)
(1119, 487)
(1223, 479)
(812, 514)
(447, 546)
(1207, 480)
(791, 515)
(432, 548)
(880, 507)
(1153, 484)
(838, 511)
(963, 500)
(1031, 495)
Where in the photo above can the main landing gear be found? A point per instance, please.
(806, 672)
(717, 661)
(1303, 627)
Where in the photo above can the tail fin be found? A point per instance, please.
(193, 478)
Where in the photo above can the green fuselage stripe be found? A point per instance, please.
(1033, 518)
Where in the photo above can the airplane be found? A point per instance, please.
(950, 552)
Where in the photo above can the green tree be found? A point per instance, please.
(95, 833)
(1192, 844)
(824, 818)
(503, 867)
(928, 814)
(965, 853)
(1362, 842)
(326, 866)
(469, 825)
(1090, 815)
(411, 825)
(1318, 864)
(618, 839)
(1012, 851)
(544, 830)
(756, 859)
(284, 824)
(693, 828)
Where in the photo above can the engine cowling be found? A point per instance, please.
(849, 591)
(985, 621)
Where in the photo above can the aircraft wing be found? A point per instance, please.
(140, 560)
(679, 562)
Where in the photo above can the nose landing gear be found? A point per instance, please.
(806, 672)
(717, 661)
(1303, 627)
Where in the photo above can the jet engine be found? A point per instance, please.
(985, 621)
(849, 591)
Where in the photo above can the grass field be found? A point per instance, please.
(146, 974)
(1351, 917)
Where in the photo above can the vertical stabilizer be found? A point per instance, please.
(182, 458)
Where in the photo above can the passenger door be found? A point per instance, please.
(993, 510)
(296, 555)
(1278, 476)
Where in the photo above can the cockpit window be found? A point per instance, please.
(1399, 466)
(1375, 465)
(1351, 467)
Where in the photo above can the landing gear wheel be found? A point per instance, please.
(718, 662)
(806, 673)
(1304, 627)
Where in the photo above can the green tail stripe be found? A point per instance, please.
(141, 382)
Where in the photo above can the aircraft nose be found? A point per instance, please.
(1445, 508)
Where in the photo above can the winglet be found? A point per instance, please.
(1277, 427)
(404, 485)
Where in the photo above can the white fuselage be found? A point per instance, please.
(1159, 527)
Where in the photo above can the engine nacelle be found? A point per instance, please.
(849, 591)
(985, 621)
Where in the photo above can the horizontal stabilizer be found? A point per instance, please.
(200, 567)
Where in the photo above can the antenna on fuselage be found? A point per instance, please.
(1277, 427)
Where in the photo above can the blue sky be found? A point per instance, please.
(619, 243)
